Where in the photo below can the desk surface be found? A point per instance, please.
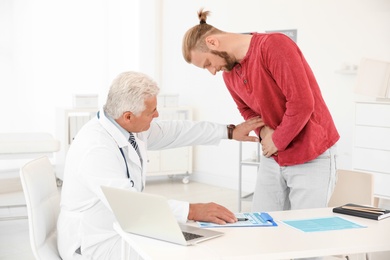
(281, 242)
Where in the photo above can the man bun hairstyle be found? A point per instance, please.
(194, 38)
(203, 16)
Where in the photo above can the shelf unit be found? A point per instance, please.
(69, 122)
(175, 161)
(164, 162)
(246, 162)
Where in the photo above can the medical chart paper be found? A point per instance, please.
(322, 224)
(252, 219)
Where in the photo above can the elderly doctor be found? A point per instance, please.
(102, 155)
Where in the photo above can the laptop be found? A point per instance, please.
(149, 215)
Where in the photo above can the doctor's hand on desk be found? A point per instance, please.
(241, 132)
(211, 212)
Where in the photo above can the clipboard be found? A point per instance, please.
(249, 219)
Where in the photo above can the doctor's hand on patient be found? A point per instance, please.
(211, 212)
(241, 131)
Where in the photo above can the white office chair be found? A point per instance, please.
(353, 187)
(15, 147)
(43, 205)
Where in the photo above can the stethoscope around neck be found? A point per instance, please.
(124, 158)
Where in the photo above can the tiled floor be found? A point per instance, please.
(14, 240)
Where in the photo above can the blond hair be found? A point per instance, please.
(194, 38)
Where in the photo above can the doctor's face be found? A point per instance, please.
(142, 121)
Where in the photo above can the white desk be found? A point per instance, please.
(281, 242)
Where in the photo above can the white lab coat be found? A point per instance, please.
(94, 159)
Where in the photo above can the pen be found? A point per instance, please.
(242, 219)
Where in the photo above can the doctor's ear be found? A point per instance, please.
(127, 116)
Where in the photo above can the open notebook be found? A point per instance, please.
(150, 215)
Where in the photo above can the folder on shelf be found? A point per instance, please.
(249, 219)
(363, 211)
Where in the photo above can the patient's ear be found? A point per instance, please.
(212, 42)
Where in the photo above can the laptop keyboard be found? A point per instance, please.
(190, 236)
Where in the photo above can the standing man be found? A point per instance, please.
(268, 76)
(110, 150)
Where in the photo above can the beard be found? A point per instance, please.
(230, 61)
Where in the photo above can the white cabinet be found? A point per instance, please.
(69, 122)
(372, 143)
(171, 161)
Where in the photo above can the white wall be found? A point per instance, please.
(330, 33)
(50, 50)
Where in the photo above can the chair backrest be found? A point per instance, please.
(43, 205)
(353, 187)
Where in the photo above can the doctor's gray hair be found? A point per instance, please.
(128, 92)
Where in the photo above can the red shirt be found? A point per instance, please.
(275, 82)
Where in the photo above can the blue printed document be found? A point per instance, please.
(322, 224)
(252, 219)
